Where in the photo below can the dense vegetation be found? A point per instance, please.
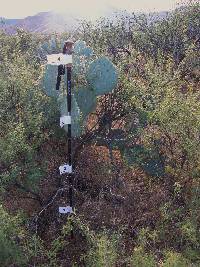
(137, 178)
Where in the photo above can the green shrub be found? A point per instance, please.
(11, 234)
(173, 259)
(141, 259)
(103, 253)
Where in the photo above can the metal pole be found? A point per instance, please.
(67, 49)
(69, 140)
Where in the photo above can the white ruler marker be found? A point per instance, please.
(59, 59)
(64, 120)
(65, 169)
(65, 210)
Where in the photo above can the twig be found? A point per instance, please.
(36, 218)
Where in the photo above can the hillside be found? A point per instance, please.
(49, 22)
(45, 22)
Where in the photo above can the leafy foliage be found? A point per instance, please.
(10, 234)
(104, 253)
(140, 258)
(22, 109)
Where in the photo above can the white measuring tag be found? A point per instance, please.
(59, 59)
(65, 210)
(65, 169)
(65, 120)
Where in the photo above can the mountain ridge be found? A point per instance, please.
(49, 21)
(43, 22)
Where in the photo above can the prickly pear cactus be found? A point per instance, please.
(86, 100)
(80, 49)
(49, 80)
(91, 77)
(101, 75)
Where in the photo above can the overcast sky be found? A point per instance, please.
(89, 8)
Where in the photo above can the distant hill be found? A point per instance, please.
(44, 22)
(48, 22)
(10, 22)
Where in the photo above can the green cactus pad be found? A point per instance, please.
(86, 100)
(49, 80)
(102, 76)
(45, 47)
(79, 67)
(50, 46)
(81, 49)
(81, 58)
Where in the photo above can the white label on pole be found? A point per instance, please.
(65, 169)
(65, 210)
(59, 59)
(65, 120)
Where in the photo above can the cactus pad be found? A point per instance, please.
(102, 76)
(81, 49)
(49, 80)
(86, 100)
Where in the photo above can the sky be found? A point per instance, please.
(87, 8)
